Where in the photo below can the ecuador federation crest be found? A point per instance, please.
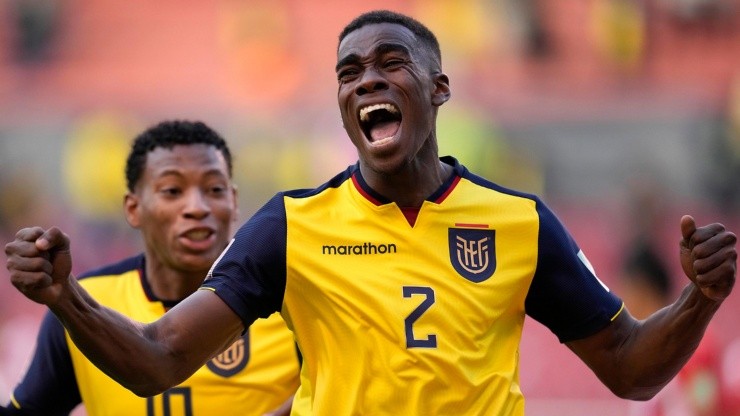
(472, 252)
(233, 359)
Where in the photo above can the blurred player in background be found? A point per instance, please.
(182, 200)
(406, 278)
(646, 286)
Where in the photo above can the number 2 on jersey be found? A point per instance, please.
(411, 341)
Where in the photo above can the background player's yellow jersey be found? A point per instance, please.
(255, 375)
(411, 318)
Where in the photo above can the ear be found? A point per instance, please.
(442, 89)
(131, 209)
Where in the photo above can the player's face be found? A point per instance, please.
(184, 206)
(388, 95)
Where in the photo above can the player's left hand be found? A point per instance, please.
(708, 257)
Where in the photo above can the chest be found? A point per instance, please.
(459, 262)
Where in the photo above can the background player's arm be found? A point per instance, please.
(636, 359)
(147, 359)
(49, 386)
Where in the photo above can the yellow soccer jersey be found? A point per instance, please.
(255, 375)
(395, 319)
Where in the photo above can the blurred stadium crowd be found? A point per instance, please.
(612, 110)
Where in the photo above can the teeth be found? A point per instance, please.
(367, 110)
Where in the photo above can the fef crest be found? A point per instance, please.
(472, 252)
(233, 359)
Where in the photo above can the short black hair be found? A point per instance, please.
(427, 38)
(168, 134)
(644, 264)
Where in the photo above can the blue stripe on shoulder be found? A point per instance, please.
(463, 172)
(565, 296)
(123, 266)
(334, 182)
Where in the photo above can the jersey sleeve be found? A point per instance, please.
(49, 387)
(566, 295)
(250, 274)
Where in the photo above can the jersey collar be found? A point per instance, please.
(437, 197)
(148, 288)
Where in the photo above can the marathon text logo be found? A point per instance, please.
(359, 249)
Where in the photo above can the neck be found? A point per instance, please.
(170, 284)
(410, 186)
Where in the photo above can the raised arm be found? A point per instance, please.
(145, 358)
(635, 359)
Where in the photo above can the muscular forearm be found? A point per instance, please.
(663, 343)
(148, 359)
(636, 359)
(648, 353)
(135, 360)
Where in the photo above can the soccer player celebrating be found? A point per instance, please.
(182, 200)
(406, 278)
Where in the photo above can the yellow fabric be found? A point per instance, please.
(269, 378)
(476, 327)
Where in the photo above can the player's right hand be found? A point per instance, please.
(39, 262)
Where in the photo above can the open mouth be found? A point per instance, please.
(380, 121)
(198, 234)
